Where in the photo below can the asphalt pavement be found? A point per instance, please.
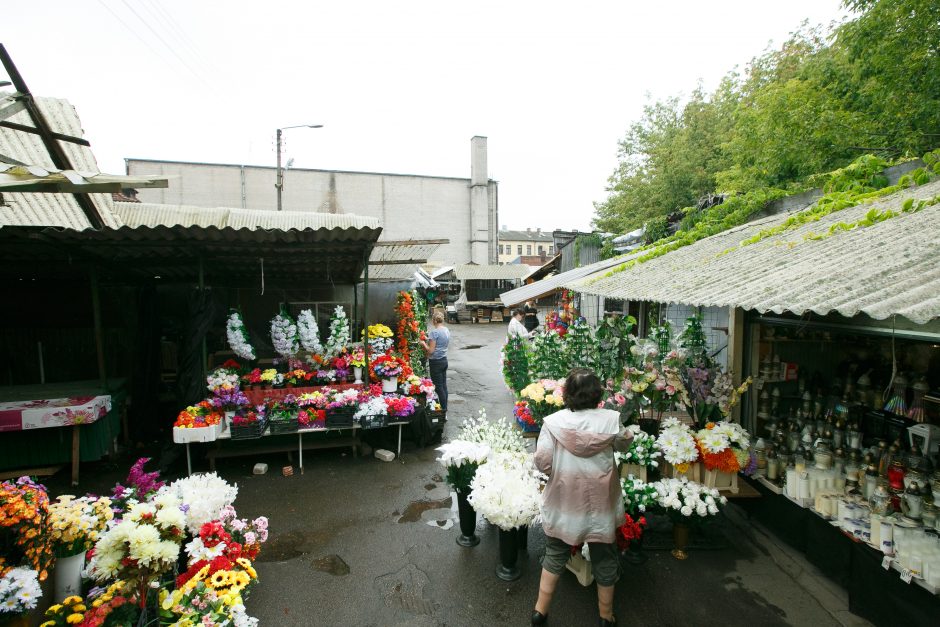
(359, 541)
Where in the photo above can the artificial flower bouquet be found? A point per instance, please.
(499, 435)
(297, 376)
(271, 377)
(205, 496)
(388, 367)
(545, 396)
(630, 531)
(400, 406)
(282, 415)
(140, 486)
(251, 378)
(725, 447)
(461, 459)
(284, 335)
(687, 501)
(712, 393)
(228, 399)
(644, 450)
(507, 490)
(357, 357)
(24, 537)
(69, 611)
(524, 417)
(223, 379)
(677, 444)
(249, 422)
(379, 338)
(237, 336)
(197, 423)
(19, 591)
(317, 399)
(76, 523)
(341, 399)
(379, 330)
(638, 496)
(414, 385)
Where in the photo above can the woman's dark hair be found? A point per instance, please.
(516, 312)
(583, 389)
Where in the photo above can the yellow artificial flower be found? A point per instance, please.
(79, 607)
(72, 600)
(54, 608)
(245, 563)
(219, 579)
(74, 619)
(48, 623)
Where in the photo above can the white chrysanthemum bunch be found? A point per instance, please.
(688, 498)
(460, 452)
(500, 436)
(507, 490)
(644, 450)
(677, 443)
(375, 406)
(284, 335)
(722, 436)
(238, 337)
(19, 591)
(148, 536)
(222, 380)
(204, 495)
(309, 332)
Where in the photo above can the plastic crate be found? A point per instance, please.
(340, 417)
(283, 426)
(373, 422)
(250, 431)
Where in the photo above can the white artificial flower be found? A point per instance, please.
(284, 335)
(507, 490)
(238, 337)
(459, 452)
(204, 495)
(339, 332)
(309, 332)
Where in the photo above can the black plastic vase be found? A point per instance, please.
(508, 555)
(468, 522)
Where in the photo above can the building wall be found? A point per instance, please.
(409, 206)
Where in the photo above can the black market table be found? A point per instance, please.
(351, 441)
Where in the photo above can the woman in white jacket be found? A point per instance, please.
(582, 500)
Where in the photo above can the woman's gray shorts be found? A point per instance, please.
(605, 560)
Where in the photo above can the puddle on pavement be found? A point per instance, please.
(291, 545)
(332, 564)
(415, 509)
(470, 347)
(430, 486)
(436, 477)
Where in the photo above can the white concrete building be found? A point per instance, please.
(463, 210)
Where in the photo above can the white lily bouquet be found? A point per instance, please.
(677, 444)
(687, 501)
(507, 490)
(499, 435)
(461, 459)
(238, 337)
(643, 451)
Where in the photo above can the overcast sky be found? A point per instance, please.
(399, 87)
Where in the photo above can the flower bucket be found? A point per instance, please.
(227, 420)
(680, 540)
(357, 372)
(468, 522)
(508, 555)
(389, 385)
(68, 575)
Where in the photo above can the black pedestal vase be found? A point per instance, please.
(508, 555)
(523, 537)
(468, 522)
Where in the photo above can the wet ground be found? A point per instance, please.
(358, 541)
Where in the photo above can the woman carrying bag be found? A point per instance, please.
(582, 500)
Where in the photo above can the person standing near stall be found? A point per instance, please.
(436, 349)
(516, 327)
(531, 316)
(583, 502)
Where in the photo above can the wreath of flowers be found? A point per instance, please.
(339, 332)
(309, 332)
(238, 337)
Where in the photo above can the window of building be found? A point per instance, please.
(528, 249)
(541, 249)
(519, 249)
(500, 249)
(551, 250)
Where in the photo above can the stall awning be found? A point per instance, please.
(890, 267)
(36, 179)
(546, 286)
(508, 272)
(136, 214)
(399, 260)
(178, 254)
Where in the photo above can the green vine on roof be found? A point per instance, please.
(861, 181)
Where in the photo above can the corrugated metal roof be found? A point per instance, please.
(237, 257)
(136, 214)
(472, 271)
(888, 268)
(548, 285)
(387, 262)
(31, 209)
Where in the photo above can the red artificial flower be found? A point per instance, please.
(630, 530)
(231, 364)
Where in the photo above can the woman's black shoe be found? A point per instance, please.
(608, 623)
(539, 618)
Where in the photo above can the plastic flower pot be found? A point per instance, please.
(357, 372)
(508, 555)
(389, 385)
(468, 522)
(68, 575)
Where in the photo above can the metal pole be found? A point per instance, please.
(279, 180)
(99, 334)
(202, 287)
(365, 309)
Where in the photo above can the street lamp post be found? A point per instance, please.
(279, 182)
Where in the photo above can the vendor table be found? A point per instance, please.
(875, 593)
(77, 405)
(351, 441)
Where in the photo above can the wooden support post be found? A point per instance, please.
(99, 334)
(202, 287)
(76, 453)
(736, 352)
(365, 309)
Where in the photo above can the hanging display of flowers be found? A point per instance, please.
(284, 335)
(238, 337)
(339, 332)
(309, 332)
(515, 363)
(548, 356)
(409, 332)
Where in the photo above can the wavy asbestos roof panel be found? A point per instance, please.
(35, 209)
(892, 267)
(151, 214)
(537, 289)
(509, 271)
